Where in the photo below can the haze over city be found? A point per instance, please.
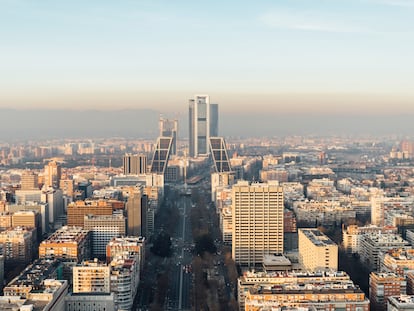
(322, 57)
(206, 156)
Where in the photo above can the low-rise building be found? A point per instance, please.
(91, 277)
(92, 301)
(398, 261)
(382, 286)
(71, 244)
(307, 293)
(400, 303)
(251, 279)
(316, 250)
(18, 244)
(372, 245)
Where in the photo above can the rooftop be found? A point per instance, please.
(317, 237)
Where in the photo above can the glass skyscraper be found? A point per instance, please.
(203, 122)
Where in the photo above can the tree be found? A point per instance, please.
(205, 243)
(162, 245)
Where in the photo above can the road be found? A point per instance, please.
(179, 293)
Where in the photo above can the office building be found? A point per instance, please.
(219, 154)
(52, 174)
(54, 198)
(29, 181)
(91, 277)
(135, 208)
(86, 189)
(214, 120)
(76, 211)
(257, 213)
(135, 164)
(316, 250)
(169, 128)
(161, 155)
(103, 228)
(382, 286)
(203, 123)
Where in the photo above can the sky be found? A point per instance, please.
(340, 56)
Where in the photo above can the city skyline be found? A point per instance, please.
(288, 57)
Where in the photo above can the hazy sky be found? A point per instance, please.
(307, 55)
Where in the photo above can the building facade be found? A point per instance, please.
(135, 164)
(103, 228)
(382, 286)
(201, 124)
(91, 277)
(257, 214)
(316, 250)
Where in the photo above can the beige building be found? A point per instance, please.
(257, 213)
(299, 289)
(52, 174)
(67, 186)
(76, 211)
(18, 244)
(29, 181)
(5, 220)
(91, 277)
(135, 207)
(398, 261)
(316, 250)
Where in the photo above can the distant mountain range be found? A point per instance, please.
(143, 123)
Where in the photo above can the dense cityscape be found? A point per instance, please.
(207, 222)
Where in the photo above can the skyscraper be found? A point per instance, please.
(169, 128)
(53, 173)
(214, 120)
(135, 207)
(257, 221)
(135, 164)
(203, 122)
